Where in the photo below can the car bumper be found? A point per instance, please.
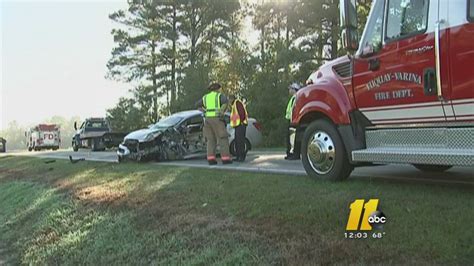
(123, 151)
(47, 146)
(126, 153)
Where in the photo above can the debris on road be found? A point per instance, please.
(75, 160)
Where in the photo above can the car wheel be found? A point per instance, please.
(248, 146)
(432, 168)
(233, 150)
(323, 153)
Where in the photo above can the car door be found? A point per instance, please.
(194, 138)
(394, 69)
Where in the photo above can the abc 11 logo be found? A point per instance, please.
(365, 216)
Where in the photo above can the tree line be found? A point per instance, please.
(172, 50)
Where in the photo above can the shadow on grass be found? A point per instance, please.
(102, 213)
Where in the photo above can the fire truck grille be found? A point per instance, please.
(343, 70)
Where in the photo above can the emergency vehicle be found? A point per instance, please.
(43, 137)
(406, 95)
(96, 134)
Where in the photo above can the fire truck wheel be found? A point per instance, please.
(432, 168)
(74, 147)
(30, 149)
(323, 153)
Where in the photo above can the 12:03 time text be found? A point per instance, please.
(364, 235)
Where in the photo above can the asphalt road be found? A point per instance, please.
(273, 162)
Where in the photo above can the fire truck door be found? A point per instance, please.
(394, 69)
(457, 63)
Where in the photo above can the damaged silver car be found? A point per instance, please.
(177, 137)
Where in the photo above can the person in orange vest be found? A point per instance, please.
(239, 121)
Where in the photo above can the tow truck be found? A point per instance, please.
(404, 94)
(96, 134)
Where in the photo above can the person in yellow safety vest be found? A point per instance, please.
(214, 104)
(292, 152)
(239, 121)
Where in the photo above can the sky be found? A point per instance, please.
(53, 60)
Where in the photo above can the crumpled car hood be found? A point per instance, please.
(141, 134)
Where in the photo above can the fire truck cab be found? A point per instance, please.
(404, 95)
(43, 137)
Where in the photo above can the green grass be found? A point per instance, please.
(102, 213)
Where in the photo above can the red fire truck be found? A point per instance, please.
(43, 136)
(405, 95)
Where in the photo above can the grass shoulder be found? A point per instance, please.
(93, 212)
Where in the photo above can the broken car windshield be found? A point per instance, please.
(168, 122)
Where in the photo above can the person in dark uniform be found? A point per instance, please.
(239, 121)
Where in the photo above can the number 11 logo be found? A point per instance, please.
(356, 212)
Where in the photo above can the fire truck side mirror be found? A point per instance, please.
(75, 125)
(348, 21)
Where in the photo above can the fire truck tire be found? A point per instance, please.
(75, 148)
(432, 168)
(323, 153)
(30, 149)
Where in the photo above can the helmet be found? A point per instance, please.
(214, 86)
(294, 86)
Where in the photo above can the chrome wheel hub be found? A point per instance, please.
(321, 152)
